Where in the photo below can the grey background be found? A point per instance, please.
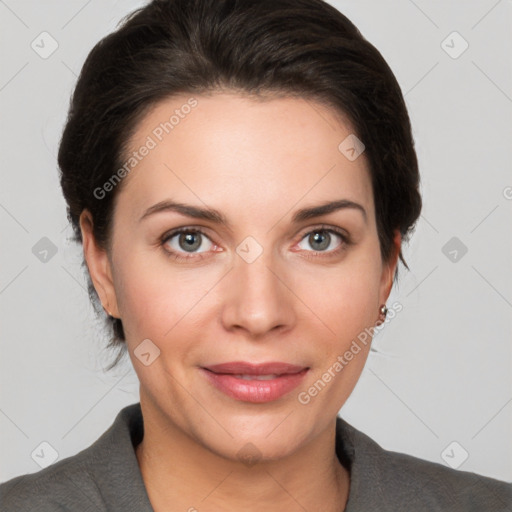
(443, 371)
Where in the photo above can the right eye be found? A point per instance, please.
(183, 241)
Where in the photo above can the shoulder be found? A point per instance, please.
(431, 484)
(69, 482)
(103, 477)
(387, 480)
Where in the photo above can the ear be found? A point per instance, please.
(389, 268)
(99, 266)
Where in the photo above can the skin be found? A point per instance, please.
(257, 162)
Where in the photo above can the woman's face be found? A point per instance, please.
(267, 285)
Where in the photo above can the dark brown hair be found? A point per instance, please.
(303, 48)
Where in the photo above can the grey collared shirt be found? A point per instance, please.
(106, 477)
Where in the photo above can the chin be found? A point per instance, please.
(265, 438)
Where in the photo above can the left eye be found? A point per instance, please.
(321, 239)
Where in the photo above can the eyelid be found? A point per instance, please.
(325, 227)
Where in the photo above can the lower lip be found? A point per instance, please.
(255, 391)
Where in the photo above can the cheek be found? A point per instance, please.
(348, 305)
(152, 299)
(345, 298)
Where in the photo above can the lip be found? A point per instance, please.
(222, 376)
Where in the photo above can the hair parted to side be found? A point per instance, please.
(301, 48)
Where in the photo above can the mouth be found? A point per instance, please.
(251, 369)
(256, 383)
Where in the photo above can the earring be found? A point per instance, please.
(383, 310)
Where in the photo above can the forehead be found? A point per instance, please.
(236, 152)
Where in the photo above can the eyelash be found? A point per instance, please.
(346, 241)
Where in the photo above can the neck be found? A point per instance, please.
(181, 473)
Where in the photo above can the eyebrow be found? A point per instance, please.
(217, 217)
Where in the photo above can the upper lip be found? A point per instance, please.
(245, 368)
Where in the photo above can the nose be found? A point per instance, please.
(258, 298)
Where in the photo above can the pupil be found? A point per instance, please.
(189, 240)
(322, 239)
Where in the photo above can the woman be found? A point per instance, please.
(242, 176)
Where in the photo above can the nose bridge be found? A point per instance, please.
(258, 300)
